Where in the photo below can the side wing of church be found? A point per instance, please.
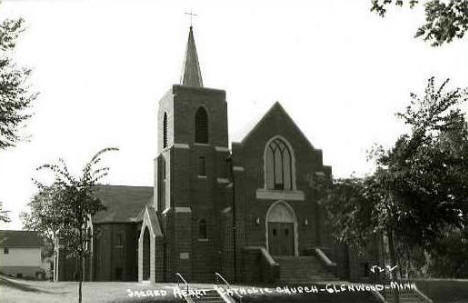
(247, 212)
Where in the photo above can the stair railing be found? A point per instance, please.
(181, 279)
(422, 296)
(218, 277)
(323, 257)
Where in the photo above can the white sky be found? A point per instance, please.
(101, 66)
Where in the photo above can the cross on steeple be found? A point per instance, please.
(191, 14)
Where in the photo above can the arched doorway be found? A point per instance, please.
(281, 229)
(146, 254)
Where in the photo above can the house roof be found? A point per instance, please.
(123, 202)
(20, 238)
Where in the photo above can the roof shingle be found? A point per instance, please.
(123, 203)
(20, 238)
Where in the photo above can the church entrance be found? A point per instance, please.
(281, 240)
(281, 229)
(146, 255)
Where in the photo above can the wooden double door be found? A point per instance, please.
(281, 238)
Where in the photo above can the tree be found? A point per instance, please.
(449, 260)
(4, 214)
(445, 20)
(417, 193)
(62, 209)
(15, 95)
(424, 175)
(43, 216)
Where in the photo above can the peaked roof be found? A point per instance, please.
(123, 203)
(275, 108)
(19, 238)
(191, 73)
(153, 218)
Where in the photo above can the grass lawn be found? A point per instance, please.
(17, 290)
(445, 290)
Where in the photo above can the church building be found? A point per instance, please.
(245, 210)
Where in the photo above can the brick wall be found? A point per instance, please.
(249, 154)
(193, 197)
(249, 158)
(115, 252)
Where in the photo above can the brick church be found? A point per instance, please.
(245, 209)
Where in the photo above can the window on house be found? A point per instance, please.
(165, 130)
(6, 251)
(278, 166)
(201, 126)
(201, 166)
(202, 229)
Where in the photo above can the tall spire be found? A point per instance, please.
(191, 74)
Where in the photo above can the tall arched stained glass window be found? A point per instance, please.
(201, 126)
(278, 166)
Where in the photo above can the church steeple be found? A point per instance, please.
(191, 73)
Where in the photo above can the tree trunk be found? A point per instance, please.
(80, 266)
(80, 277)
(393, 262)
(79, 290)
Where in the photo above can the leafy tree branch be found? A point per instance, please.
(445, 20)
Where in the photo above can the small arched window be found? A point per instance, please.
(165, 130)
(278, 166)
(163, 168)
(202, 229)
(162, 183)
(201, 126)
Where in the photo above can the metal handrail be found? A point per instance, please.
(179, 276)
(421, 295)
(219, 277)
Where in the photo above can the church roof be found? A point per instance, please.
(191, 73)
(123, 202)
(275, 109)
(19, 238)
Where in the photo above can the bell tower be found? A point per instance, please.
(192, 152)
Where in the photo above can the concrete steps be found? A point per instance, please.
(297, 270)
(211, 296)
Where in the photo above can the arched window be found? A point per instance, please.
(146, 254)
(278, 166)
(202, 229)
(201, 126)
(162, 183)
(165, 130)
(163, 168)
